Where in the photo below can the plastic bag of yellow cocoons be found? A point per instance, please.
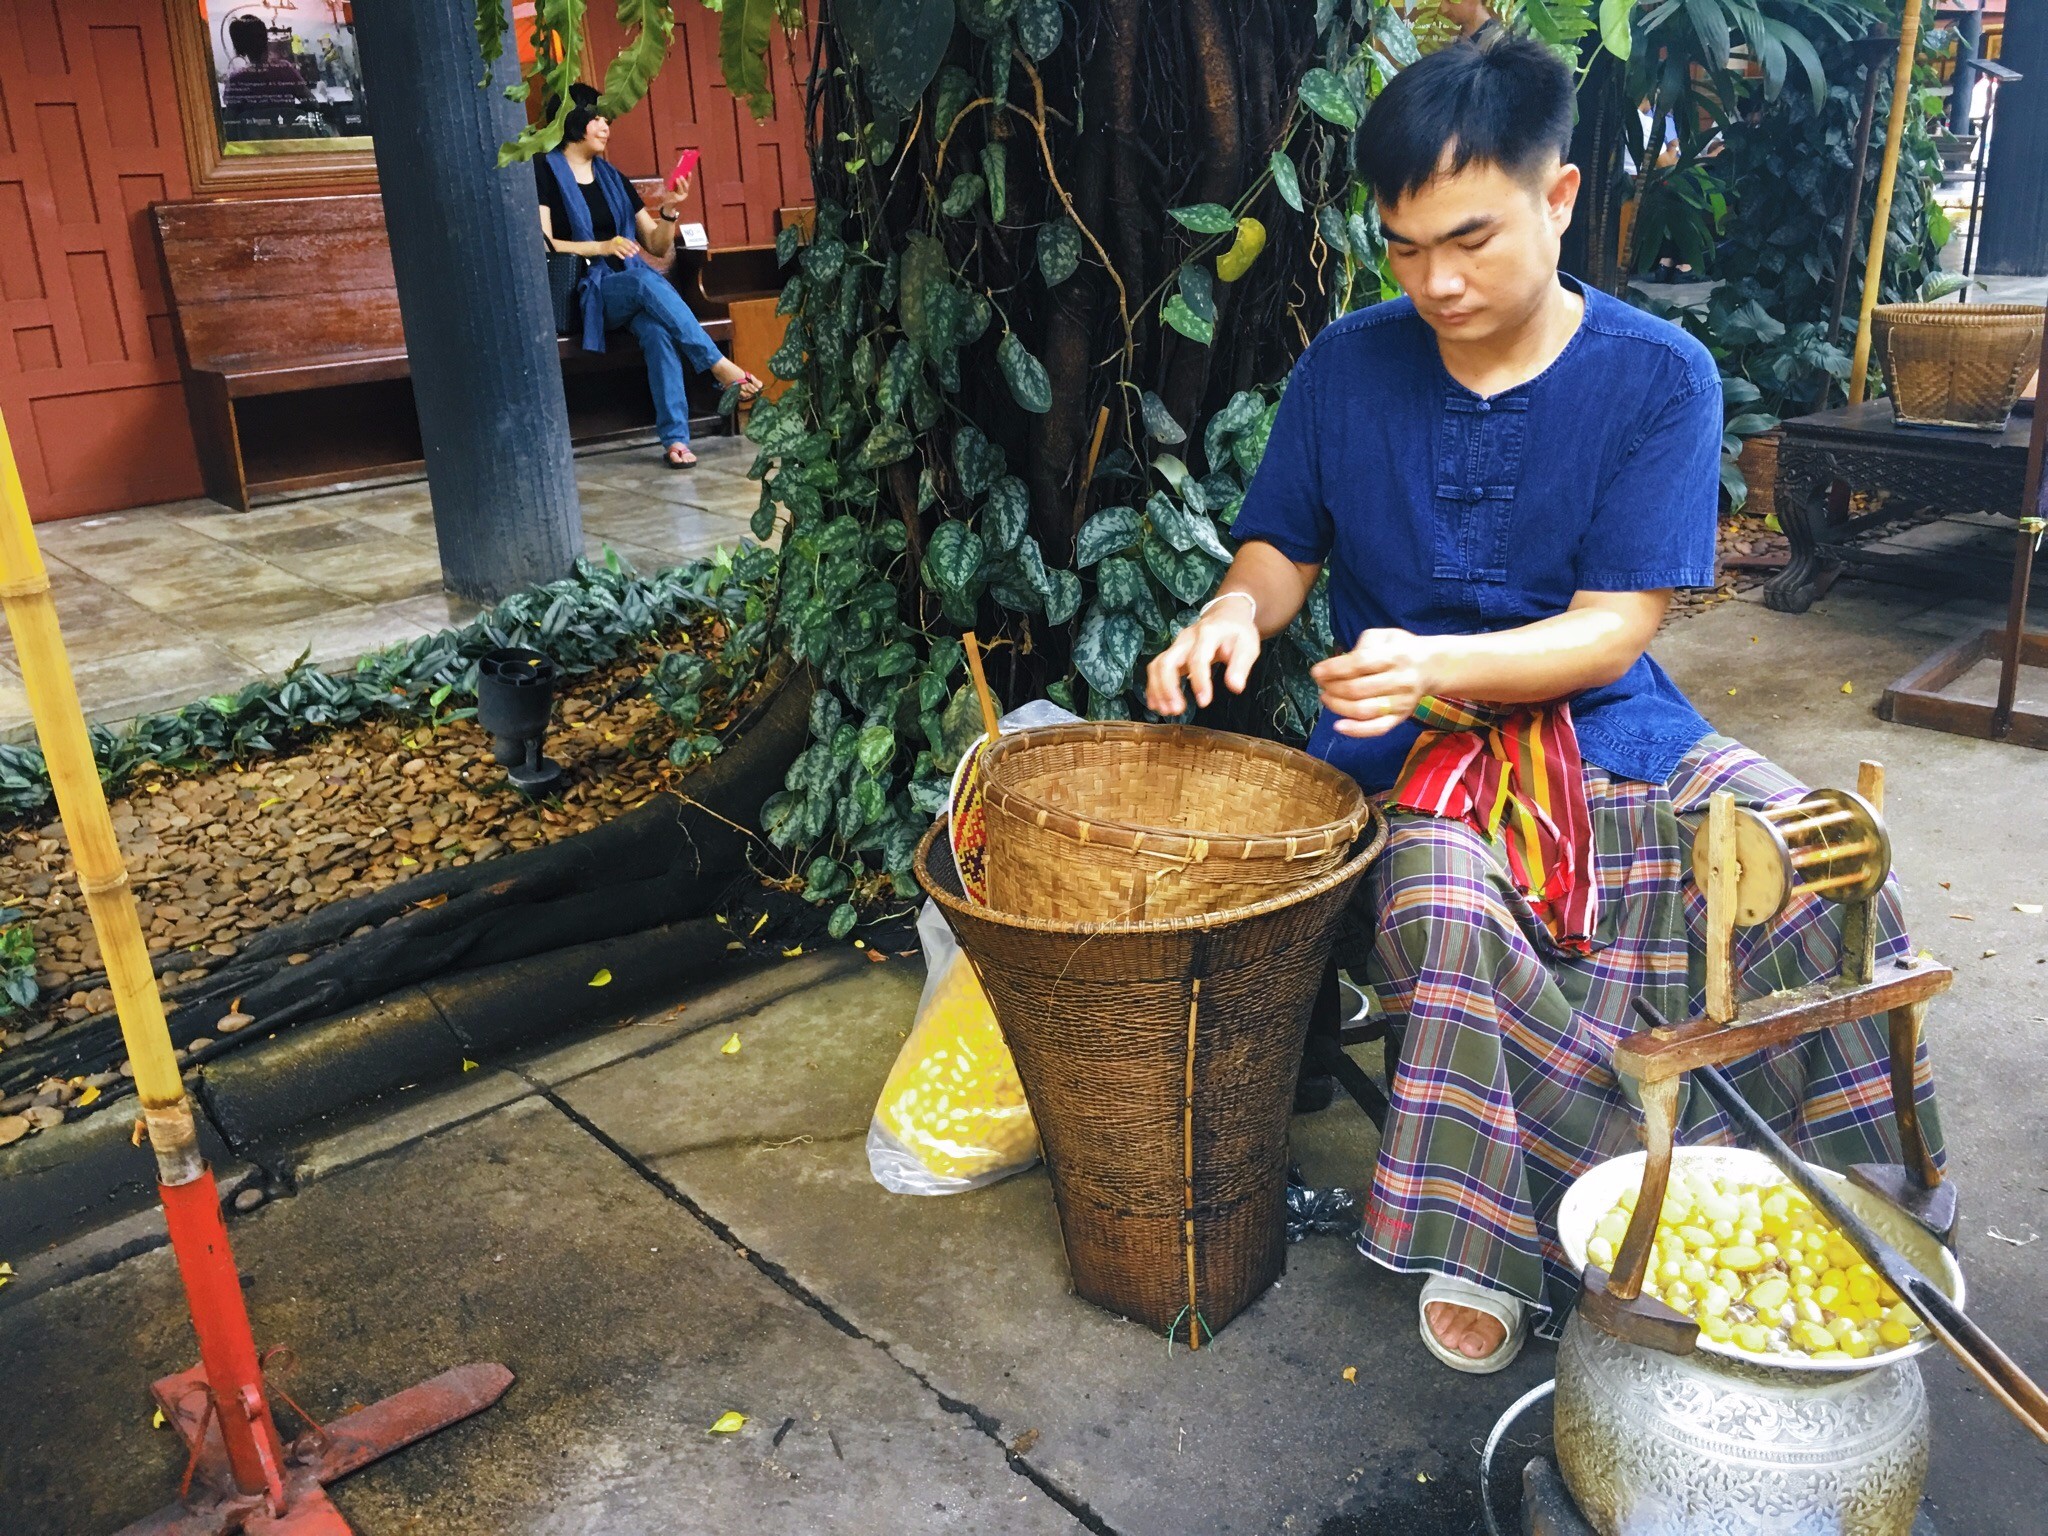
(952, 1116)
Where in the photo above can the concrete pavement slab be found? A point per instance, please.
(1258, 1433)
(518, 1238)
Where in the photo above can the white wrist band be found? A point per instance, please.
(1204, 613)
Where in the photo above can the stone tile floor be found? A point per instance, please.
(162, 605)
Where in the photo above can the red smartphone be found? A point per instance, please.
(684, 166)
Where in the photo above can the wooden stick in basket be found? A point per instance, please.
(988, 700)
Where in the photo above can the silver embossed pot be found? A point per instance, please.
(1722, 1443)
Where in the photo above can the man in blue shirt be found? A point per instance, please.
(1504, 475)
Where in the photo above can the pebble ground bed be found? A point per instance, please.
(219, 855)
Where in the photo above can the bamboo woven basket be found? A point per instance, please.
(1115, 821)
(1160, 1059)
(1957, 365)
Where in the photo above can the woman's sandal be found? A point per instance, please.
(688, 460)
(750, 388)
(1445, 1290)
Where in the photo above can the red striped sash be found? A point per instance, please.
(1512, 773)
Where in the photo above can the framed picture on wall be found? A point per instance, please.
(270, 93)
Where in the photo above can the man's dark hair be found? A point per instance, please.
(1501, 100)
(582, 108)
(250, 38)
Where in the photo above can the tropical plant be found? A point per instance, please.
(1064, 254)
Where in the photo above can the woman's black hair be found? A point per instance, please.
(583, 107)
(250, 38)
(1500, 100)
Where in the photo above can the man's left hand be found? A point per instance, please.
(1375, 685)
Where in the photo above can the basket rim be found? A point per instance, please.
(1137, 837)
(1354, 864)
(1974, 316)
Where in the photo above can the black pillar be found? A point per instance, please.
(472, 289)
(2016, 176)
(1969, 43)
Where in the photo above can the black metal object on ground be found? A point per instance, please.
(472, 288)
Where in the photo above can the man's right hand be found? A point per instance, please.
(1227, 636)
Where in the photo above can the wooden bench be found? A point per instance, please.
(285, 313)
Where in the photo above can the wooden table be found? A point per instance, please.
(1910, 475)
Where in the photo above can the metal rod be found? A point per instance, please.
(1829, 854)
(1833, 882)
(1791, 829)
(213, 1288)
(1881, 213)
(1778, 813)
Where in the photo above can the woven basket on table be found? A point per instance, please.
(1159, 1059)
(1115, 821)
(1957, 365)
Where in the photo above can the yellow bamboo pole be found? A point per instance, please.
(82, 803)
(1887, 178)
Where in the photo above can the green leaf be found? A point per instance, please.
(1121, 584)
(1286, 180)
(994, 173)
(1614, 28)
(1188, 574)
(876, 746)
(1396, 36)
(634, 66)
(956, 89)
(1108, 532)
(1064, 598)
(897, 378)
(898, 44)
(1250, 446)
(1177, 314)
(1198, 288)
(953, 557)
(1038, 27)
(1206, 218)
(925, 280)
(1107, 649)
(1007, 513)
(1185, 529)
(1025, 375)
(977, 461)
(888, 443)
(1059, 251)
(842, 920)
(1328, 97)
(743, 29)
(985, 18)
(1159, 423)
(962, 195)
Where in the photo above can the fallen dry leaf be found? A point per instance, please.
(156, 1420)
(731, 1047)
(1351, 1373)
(728, 1423)
(1021, 1446)
(85, 1097)
(792, 952)
(1848, 687)
(602, 979)
(759, 923)
(468, 1065)
(877, 957)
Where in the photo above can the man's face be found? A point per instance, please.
(1477, 250)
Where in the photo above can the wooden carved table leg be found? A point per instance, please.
(1802, 505)
(1616, 1304)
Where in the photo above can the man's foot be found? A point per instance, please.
(1465, 1330)
(680, 457)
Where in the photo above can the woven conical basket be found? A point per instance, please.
(1957, 365)
(1160, 1059)
(1112, 821)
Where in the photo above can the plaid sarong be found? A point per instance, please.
(1494, 766)
(1504, 1092)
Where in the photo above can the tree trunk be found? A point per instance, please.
(2016, 179)
(472, 290)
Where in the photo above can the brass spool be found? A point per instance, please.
(1832, 844)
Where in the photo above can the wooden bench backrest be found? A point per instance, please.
(280, 282)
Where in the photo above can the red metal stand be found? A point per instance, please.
(241, 1476)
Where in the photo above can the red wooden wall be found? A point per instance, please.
(749, 169)
(90, 137)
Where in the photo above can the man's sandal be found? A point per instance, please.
(1444, 1290)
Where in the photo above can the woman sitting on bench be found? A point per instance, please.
(585, 198)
